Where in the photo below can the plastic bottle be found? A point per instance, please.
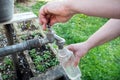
(66, 59)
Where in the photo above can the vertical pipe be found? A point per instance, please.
(9, 35)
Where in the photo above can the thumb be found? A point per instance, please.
(71, 47)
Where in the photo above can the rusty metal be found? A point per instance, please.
(9, 31)
(50, 38)
(27, 45)
(12, 49)
(59, 41)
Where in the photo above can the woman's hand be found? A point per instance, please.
(79, 50)
(54, 12)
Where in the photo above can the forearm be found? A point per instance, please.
(106, 33)
(100, 8)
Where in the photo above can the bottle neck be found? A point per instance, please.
(64, 52)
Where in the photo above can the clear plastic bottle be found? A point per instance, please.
(66, 59)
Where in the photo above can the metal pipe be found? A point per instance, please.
(34, 43)
(9, 32)
(22, 46)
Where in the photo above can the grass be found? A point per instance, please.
(79, 28)
(102, 62)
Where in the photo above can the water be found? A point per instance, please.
(66, 59)
(73, 72)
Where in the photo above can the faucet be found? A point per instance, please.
(51, 36)
(34, 43)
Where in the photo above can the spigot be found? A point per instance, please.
(51, 36)
(59, 41)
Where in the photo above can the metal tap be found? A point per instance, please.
(34, 43)
(51, 36)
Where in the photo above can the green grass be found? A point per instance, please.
(21, 8)
(36, 7)
(79, 28)
(101, 63)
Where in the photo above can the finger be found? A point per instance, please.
(48, 16)
(53, 21)
(44, 26)
(76, 61)
(56, 19)
(71, 47)
(42, 16)
(43, 20)
(40, 22)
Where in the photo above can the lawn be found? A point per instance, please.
(102, 62)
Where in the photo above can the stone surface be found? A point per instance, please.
(56, 73)
(19, 17)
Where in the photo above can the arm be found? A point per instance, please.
(100, 8)
(107, 32)
(62, 11)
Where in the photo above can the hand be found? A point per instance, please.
(79, 50)
(54, 12)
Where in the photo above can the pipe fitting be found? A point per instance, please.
(59, 41)
(51, 36)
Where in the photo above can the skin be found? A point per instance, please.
(61, 11)
(54, 12)
(107, 32)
